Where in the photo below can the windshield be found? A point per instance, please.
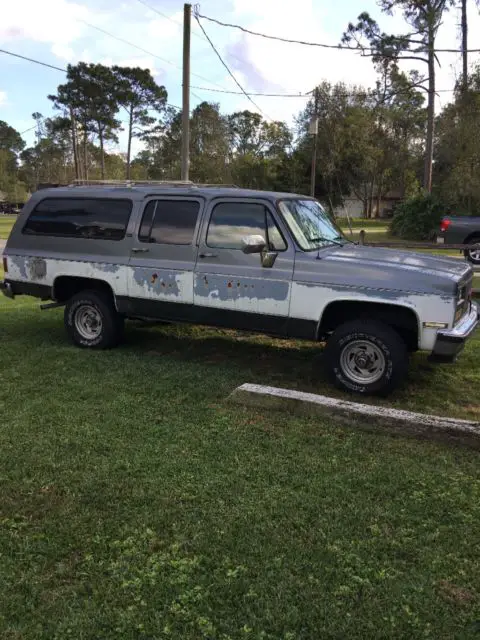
(310, 224)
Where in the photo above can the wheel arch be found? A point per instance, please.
(66, 286)
(401, 317)
(472, 236)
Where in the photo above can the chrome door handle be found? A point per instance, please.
(139, 250)
(208, 255)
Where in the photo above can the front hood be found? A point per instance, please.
(401, 260)
(355, 265)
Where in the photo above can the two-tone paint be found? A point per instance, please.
(206, 285)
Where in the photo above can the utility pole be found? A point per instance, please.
(314, 132)
(464, 44)
(187, 14)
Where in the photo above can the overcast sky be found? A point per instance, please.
(55, 31)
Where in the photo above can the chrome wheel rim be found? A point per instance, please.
(474, 253)
(362, 361)
(88, 322)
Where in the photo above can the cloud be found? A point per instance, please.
(63, 52)
(274, 66)
(165, 29)
(238, 58)
(3, 98)
(55, 22)
(297, 68)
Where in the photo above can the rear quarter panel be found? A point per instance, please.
(42, 259)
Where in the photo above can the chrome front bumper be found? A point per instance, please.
(450, 342)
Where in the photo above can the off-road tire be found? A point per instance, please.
(101, 304)
(380, 339)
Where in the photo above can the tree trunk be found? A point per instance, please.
(365, 201)
(365, 208)
(85, 154)
(74, 145)
(102, 153)
(129, 143)
(427, 176)
(370, 199)
(464, 44)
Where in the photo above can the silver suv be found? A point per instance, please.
(253, 260)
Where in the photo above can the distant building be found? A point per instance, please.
(357, 208)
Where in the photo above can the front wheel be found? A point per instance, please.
(92, 321)
(366, 357)
(473, 253)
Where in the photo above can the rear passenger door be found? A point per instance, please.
(163, 257)
(233, 288)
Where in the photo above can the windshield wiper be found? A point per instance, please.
(346, 239)
(323, 239)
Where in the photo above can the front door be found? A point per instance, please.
(164, 251)
(232, 288)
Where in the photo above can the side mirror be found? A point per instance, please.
(253, 244)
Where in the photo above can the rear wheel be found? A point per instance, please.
(473, 253)
(92, 321)
(366, 357)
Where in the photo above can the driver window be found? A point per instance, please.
(232, 221)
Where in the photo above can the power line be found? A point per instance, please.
(50, 66)
(44, 64)
(179, 24)
(288, 95)
(149, 53)
(164, 15)
(30, 129)
(130, 44)
(228, 70)
(196, 96)
(267, 95)
(306, 42)
(225, 91)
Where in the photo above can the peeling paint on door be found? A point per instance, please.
(256, 295)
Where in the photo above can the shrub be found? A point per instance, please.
(418, 218)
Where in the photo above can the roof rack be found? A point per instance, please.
(148, 183)
(130, 183)
(214, 185)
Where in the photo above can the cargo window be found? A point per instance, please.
(232, 221)
(105, 219)
(169, 222)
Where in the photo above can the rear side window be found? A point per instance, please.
(80, 218)
(232, 221)
(169, 222)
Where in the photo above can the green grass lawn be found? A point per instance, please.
(136, 502)
(6, 224)
(377, 231)
(366, 223)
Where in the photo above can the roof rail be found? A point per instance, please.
(149, 183)
(130, 183)
(214, 185)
